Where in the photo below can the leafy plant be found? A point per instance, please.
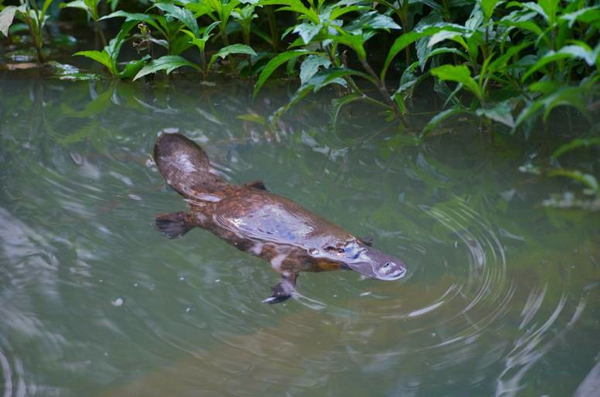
(108, 57)
(219, 11)
(169, 63)
(508, 63)
(34, 17)
(170, 24)
(491, 50)
(322, 29)
(91, 8)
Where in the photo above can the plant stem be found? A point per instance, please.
(383, 90)
(204, 65)
(101, 34)
(273, 28)
(246, 34)
(487, 41)
(36, 40)
(223, 29)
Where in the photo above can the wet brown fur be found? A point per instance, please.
(259, 222)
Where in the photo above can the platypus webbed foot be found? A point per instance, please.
(173, 225)
(284, 290)
(368, 240)
(260, 185)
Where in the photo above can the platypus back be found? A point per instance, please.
(185, 166)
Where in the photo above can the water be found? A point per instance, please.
(502, 296)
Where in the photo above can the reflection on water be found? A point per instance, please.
(501, 296)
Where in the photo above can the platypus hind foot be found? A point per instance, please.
(282, 291)
(260, 185)
(173, 225)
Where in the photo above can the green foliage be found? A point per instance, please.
(34, 17)
(231, 49)
(510, 64)
(167, 63)
(110, 53)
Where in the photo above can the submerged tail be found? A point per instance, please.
(185, 166)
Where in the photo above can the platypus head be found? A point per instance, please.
(371, 263)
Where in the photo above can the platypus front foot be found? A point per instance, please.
(173, 225)
(283, 290)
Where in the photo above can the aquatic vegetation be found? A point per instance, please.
(34, 16)
(507, 63)
(110, 53)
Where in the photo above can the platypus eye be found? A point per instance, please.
(334, 250)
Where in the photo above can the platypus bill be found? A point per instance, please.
(259, 222)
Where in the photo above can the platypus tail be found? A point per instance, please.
(185, 166)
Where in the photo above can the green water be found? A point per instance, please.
(501, 299)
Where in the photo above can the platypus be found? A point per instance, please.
(254, 220)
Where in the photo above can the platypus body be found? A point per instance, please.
(259, 222)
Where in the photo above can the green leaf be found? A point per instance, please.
(442, 36)
(488, 7)
(274, 64)
(87, 6)
(297, 97)
(586, 15)
(45, 7)
(307, 31)
(341, 102)
(567, 52)
(206, 33)
(530, 6)
(431, 3)
(575, 144)
(546, 87)
(99, 56)
(333, 75)
(198, 42)
(182, 14)
(401, 43)
(199, 9)
(295, 6)
(587, 179)
(133, 67)
(373, 20)
(114, 46)
(581, 52)
(476, 19)
(179, 44)
(167, 63)
(356, 42)
(501, 63)
(408, 79)
(231, 49)
(444, 50)
(138, 17)
(460, 74)
(529, 111)
(570, 96)
(7, 16)
(502, 113)
(339, 11)
(527, 26)
(438, 118)
(310, 66)
(550, 8)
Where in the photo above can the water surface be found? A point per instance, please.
(501, 297)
